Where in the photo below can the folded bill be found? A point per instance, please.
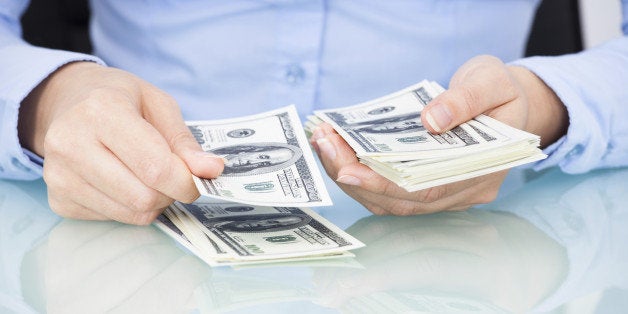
(388, 136)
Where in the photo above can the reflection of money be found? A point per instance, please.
(245, 293)
(233, 233)
(388, 136)
(267, 160)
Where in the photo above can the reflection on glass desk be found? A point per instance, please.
(558, 244)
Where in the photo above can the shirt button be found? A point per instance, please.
(295, 74)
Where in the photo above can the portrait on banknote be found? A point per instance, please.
(397, 124)
(257, 158)
(271, 222)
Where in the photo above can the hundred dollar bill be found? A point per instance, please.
(268, 160)
(390, 129)
(388, 136)
(250, 232)
(241, 234)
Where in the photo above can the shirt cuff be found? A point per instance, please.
(588, 137)
(34, 158)
(23, 68)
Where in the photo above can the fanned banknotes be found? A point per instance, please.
(388, 136)
(256, 211)
(268, 160)
(222, 233)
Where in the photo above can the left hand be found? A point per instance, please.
(484, 84)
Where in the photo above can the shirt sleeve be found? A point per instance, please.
(593, 86)
(23, 67)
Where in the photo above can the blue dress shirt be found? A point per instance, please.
(230, 58)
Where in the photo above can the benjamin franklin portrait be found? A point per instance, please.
(258, 158)
(397, 124)
(261, 222)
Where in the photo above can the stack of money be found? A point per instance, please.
(388, 136)
(257, 210)
(222, 233)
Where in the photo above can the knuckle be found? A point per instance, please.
(158, 96)
(432, 194)
(56, 142)
(153, 171)
(190, 197)
(56, 182)
(408, 208)
(145, 202)
(471, 100)
(388, 188)
(183, 136)
(143, 219)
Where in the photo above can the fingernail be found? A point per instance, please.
(439, 117)
(203, 154)
(326, 147)
(349, 180)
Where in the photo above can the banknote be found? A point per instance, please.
(250, 232)
(391, 126)
(268, 160)
(388, 136)
(226, 233)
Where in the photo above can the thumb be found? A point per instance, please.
(479, 85)
(164, 114)
(201, 164)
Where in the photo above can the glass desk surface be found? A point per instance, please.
(558, 244)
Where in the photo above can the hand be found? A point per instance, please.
(484, 84)
(115, 147)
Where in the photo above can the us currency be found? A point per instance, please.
(268, 160)
(224, 233)
(388, 136)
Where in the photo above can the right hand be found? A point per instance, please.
(484, 84)
(115, 146)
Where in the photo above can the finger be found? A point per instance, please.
(72, 210)
(341, 163)
(114, 179)
(98, 167)
(147, 154)
(164, 114)
(71, 196)
(62, 185)
(479, 190)
(479, 85)
(335, 153)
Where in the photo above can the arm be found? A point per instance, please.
(115, 146)
(586, 91)
(23, 68)
(576, 103)
(593, 87)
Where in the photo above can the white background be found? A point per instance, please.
(600, 21)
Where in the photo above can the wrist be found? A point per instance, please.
(547, 115)
(41, 104)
